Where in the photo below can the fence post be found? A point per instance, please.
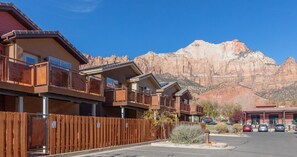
(206, 133)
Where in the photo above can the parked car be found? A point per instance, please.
(263, 128)
(212, 123)
(247, 128)
(209, 120)
(279, 128)
(296, 128)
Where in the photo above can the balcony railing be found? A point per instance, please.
(54, 75)
(185, 107)
(16, 71)
(46, 74)
(167, 102)
(124, 95)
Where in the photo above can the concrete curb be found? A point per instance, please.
(217, 146)
(223, 135)
(83, 152)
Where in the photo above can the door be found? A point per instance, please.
(255, 119)
(37, 132)
(273, 119)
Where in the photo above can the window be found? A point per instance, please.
(111, 83)
(294, 119)
(59, 63)
(30, 59)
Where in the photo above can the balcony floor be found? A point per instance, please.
(130, 104)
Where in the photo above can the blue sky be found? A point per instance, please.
(134, 27)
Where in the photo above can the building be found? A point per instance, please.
(129, 92)
(39, 70)
(271, 115)
(40, 73)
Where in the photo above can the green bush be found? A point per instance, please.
(221, 127)
(187, 134)
(237, 128)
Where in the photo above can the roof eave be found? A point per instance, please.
(54, 34)
(19, 15)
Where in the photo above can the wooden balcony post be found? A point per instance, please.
(126, 94)
(6, 70)
(70, 80)
(114, 95)
(136, 96)
(88, 82)
(48, 77)
(33, 75)
(143, 97)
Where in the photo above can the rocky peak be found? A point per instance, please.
(225, 51)
(290, 61)
(235, 46)
(289, 65)
(95, 61)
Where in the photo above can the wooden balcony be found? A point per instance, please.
(196, 110)
(16, 75)
(167, 103)
(185, 108)
(48, 78)
(163, 102)
(125, 97)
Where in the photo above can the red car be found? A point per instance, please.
(247, 128)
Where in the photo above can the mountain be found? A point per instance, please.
(205, 67)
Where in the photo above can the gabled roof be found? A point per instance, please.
(145, 76)
(168, 85)
(19, 15)
(108, 67)
(184, 91)
(19, 34)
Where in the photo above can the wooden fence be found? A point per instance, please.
(75, 133)
(13, 134)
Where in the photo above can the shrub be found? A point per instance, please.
(187, 134)
(221, 127)
(237, 128)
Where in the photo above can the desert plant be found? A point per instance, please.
(221, 127)
(211, 109)
(187, 134)
(237, 117)
(237, 128)
(227, 110)
(160, 118)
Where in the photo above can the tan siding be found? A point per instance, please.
(144, 83)
(170, 92)
(44, 47)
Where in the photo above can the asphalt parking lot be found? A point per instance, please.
(268, 144)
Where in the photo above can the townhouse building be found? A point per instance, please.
(40, 73)
(39, 69)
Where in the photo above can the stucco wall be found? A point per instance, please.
(42, 47)
(9, 23)
(170, 92)
(143, 83)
